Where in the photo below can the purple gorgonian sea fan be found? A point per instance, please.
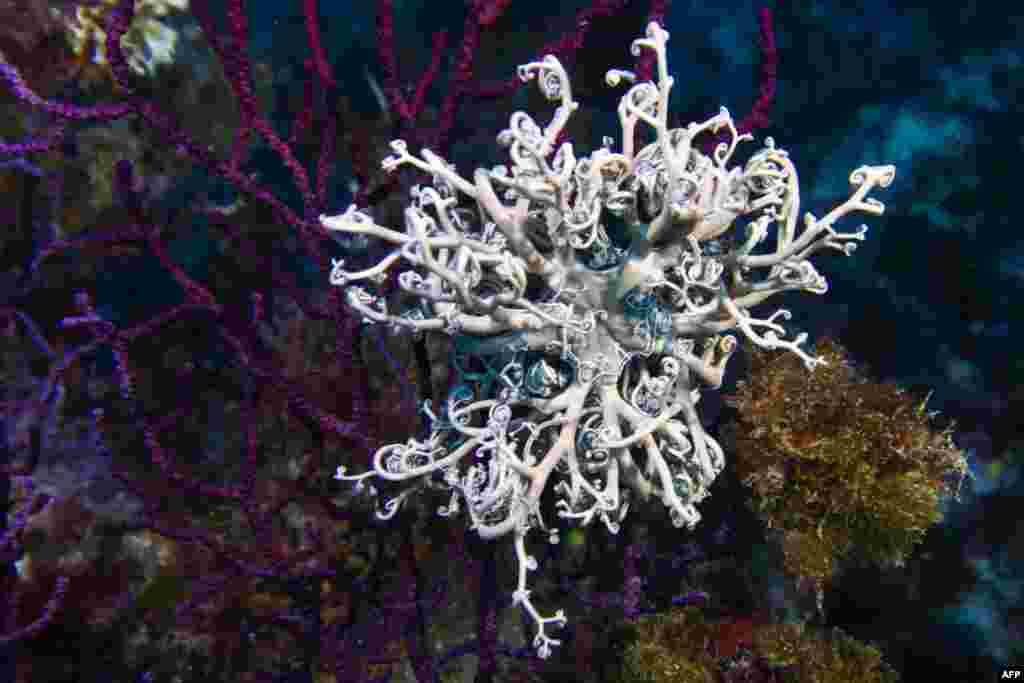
(594, 349)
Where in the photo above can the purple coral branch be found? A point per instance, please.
(64, 110)
(9, 548)
(42, 144)
(319, 59)
(758, 116)
(49, 611)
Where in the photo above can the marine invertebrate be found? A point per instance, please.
(588, 298)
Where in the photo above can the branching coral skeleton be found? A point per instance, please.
(596, 379)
